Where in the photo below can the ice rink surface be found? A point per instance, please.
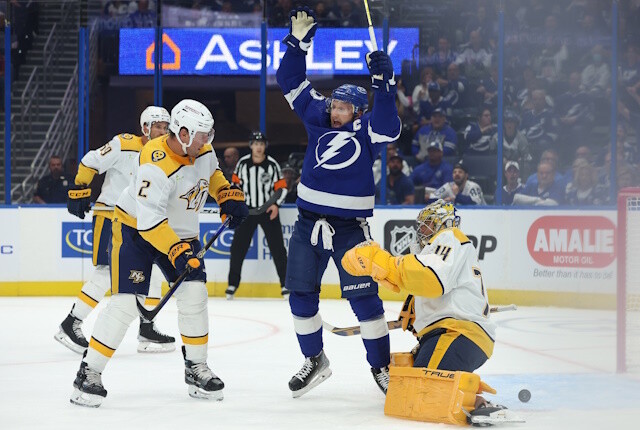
(565, 357)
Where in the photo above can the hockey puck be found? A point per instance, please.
(524, 395)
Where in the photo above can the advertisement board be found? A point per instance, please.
(236, 51)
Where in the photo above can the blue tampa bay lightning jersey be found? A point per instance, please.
(337, 175)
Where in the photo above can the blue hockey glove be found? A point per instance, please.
(231, 202)
(381, 69)
(302, 28)
(79, 201)
(183, 258)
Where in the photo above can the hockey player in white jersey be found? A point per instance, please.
(449, 312)
(117, 159)
(461, 190)
(156, 221)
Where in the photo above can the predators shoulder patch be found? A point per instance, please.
(157, 155)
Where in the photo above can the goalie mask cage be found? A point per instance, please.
(628, 300)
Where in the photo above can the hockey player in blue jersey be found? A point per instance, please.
(335, 195)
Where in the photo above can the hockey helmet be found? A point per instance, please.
(153, 114)
(195, 117)
(258, 136)
(353, 94)
(435, 217)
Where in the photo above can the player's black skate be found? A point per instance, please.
(88, 391)
(202, 382)
(230, 291)
(488, 414)
(314, 371)
(151, 340)
(381, 376)
(71, 336)
(284, 292)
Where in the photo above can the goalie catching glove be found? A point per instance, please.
(368, 259)
(182, 257)
(231, 202)
(79, 201)
(302, 28)
(381, 69)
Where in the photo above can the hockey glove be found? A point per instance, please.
(302, 28)
(381, 69)
(183, 258)
(368, 259)
(79, 201)
(231, 202)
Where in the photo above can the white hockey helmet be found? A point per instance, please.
(195, 117)
(153, 114)
(435, 217)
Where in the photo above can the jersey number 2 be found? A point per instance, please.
(145, 184)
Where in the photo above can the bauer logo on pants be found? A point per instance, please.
(221, 248)
(77, 240)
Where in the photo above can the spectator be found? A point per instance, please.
(228, 165)
(116, 8)
(54, 187)
(584, 190)
(515, 146)
(475, 58)
(434, 101)
(292, 178)
(434, 172)
(514, 184)
(442, 57)
(575, 109)
(421, 92)
(438, 131)
(392, 150)
(596, 75)
(399, 186)
(551, 157)
(477, 135)
(488, 89)
(460, 191)
(546, 192)
(143, 16)
(454, 87)
(347, 16)
(539, 124)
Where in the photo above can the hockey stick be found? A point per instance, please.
(253, 211)
(372, 35)
(353, 330)
(149, 315)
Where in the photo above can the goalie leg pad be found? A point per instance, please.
(109, 330)
(193, 319)
(92, 292)
(437, 396)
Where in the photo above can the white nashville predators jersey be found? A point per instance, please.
(471, 191)
(460, 301)
(168, 192)
(118, 158)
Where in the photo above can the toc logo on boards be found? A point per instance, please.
(221, 248)
(569, 241)
(77, 239)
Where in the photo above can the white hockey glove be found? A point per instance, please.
(381, 69)
(301, 30)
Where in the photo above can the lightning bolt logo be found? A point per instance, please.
(337, 142)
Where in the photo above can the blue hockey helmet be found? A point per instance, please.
(353, 94)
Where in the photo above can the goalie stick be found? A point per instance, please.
(149, 315)
(353, 330)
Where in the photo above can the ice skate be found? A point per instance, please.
(230, 291)
(88, 391)
(314, 371)
(151, 340)
(202, 382)
(381, 376)
(489, 414)
(284, 292)
(71, 336)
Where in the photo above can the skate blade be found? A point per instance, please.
(320, 378)
(66, 341)
(85, 399)
(199, 393)
(153, 347)
(499, 417)
(229, 296)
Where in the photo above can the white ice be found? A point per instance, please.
(565, 357)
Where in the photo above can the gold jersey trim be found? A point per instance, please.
(469, 329)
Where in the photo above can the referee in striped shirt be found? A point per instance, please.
(259, 176)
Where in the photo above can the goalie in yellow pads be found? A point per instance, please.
(449, 314)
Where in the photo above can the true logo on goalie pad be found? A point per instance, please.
(136, 276)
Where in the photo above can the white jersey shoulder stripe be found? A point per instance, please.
(335, 200)
(294, 93)
(381, 138)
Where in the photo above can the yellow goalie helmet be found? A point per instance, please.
(435, 217)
